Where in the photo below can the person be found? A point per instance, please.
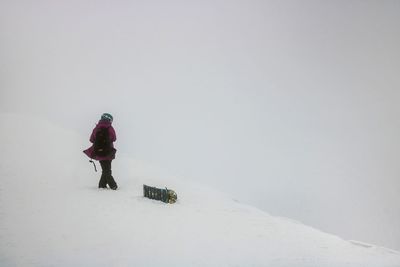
(102, 138)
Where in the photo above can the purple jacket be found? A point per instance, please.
(111, 134)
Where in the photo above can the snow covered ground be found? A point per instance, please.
(52, 214)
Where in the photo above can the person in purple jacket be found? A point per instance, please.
(102, 138)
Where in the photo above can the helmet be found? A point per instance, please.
(107, 117)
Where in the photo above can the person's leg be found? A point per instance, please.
(111, 182)
(108, 175)
(103, 178)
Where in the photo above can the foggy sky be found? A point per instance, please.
(292, 106)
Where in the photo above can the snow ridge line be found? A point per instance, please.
(367, 245)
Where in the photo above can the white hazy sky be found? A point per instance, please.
(292, 106)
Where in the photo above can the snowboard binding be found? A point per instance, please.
(165, 195)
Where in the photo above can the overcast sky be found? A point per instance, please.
(291, 106)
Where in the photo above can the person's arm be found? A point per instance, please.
(93, 136)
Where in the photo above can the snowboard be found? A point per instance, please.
(165, 195)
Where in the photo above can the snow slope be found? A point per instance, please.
(52, 214)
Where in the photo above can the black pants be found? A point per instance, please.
(106, 176)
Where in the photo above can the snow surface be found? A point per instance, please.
(52, 214)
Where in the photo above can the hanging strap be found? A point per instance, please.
(95, 169)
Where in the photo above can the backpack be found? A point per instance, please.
(102, 144)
